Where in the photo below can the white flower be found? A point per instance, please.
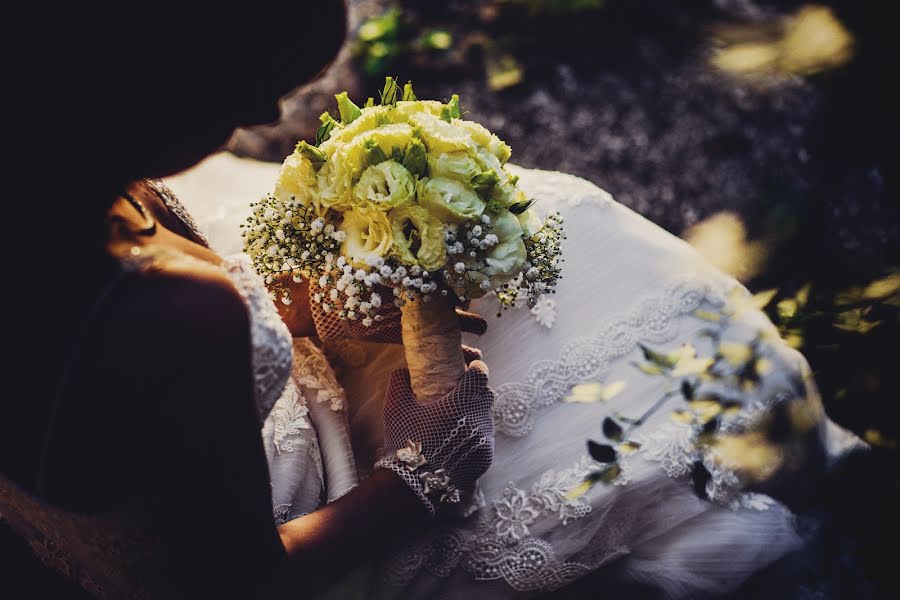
(411, 455)
(326, 308)
(514, 514)
(486, 219)
(436, 481)
(367, 322)
(460, 267)
(476, 231)
(375, 299)
(386, 271)
(333, 294)
(323, 281)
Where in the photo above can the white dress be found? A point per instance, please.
(626, 282)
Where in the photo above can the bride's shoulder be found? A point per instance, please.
(184, 305)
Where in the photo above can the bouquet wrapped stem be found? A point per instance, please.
(432, 340)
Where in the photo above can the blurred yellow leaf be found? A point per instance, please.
(707, 315)
(579, 490)
(762, 299)
(876, 438)
(705, 409)
(751, 455)
(682, 416)
(594, 392)
(882, 288)
(503, 71)
(629, 447)
(692, 366)
(763, 366)
(649, 368)
(787, 308)
(722, 240)
(735, 353)
(807, 42)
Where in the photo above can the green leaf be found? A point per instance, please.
(324, 132)
(349, 111)
(513, 179)
(414, 158)
(700, 476)
(445, 114)
(658, 358)
(519, 207)
(601, 452)
(397, 155)
(453, 107)
(612, 430)
(408, 93)
(374, 152)
(315, 156)
(484, 183)
(388, 95)
(370, 102)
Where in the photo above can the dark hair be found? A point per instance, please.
(101, 94)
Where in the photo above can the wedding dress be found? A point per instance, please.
(626, 283)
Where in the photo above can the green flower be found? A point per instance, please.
(368, 235)
(296, 178)
(530, 222)
(454, 165)
(504, 260)
(485, 138)
(418, 237)
(385, 185)
(441, 136)
(449, 200)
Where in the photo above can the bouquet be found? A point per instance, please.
(404, 201)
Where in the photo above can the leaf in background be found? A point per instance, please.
(735, 353)
(612, 430)
(649, 369)
(700, 476)
(708, 315)
(594, 392)
(682, 416)
(762, 299)
(601, 452)
(503, 71)
(687, 390)
(658, 358)
(580, 489)
(629, 447)
(705, 409)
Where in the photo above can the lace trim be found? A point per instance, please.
(272, 342)
(653, 321)
(500, 547)
(313, 372)
(289, 418)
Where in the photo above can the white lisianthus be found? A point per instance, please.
(530, 222)
(368, 235)
(296, 179)
(454, 165)
(504, 260)
(441, 136)
(449, 200)
(486, 139)
(385, 185)
(418, 237)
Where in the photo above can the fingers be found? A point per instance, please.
(470, 322)
(470, 354)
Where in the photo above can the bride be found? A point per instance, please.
(137, 466)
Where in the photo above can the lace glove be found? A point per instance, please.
(442, 448)
(386, 329)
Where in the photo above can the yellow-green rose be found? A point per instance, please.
(449, 200)
(505, 259)
(454, 165)
(385, 185)
(368, 235)
(296, 178)
(418, 237)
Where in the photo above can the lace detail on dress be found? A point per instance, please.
(174, 204)
(313, 372)
(289, 418)
(272, 342)
(654, 320)
(500, 546)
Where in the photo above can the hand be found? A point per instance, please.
(385, 330)
(442, 448)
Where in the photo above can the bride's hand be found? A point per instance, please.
(439, 449)
(296, 315)
(385, 330)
